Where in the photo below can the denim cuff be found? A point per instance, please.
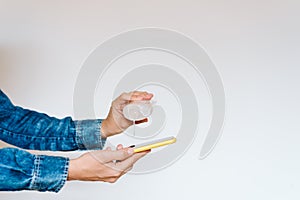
(50, 173)
(88, 134)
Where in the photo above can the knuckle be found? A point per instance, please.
(118, 174)
(111, 172)
(115, 173)
(123, 94)
(130, 168)
(112, 180)
(123, 154)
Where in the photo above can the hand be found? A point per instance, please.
(102, 166)
(116, 122)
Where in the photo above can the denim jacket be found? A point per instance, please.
(20, 170)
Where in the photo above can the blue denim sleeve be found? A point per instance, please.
(20, 170)
(32, 130)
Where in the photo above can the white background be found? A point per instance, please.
(255, 46)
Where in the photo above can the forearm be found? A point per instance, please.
(82, 135)
(32, 130)
(20, 170)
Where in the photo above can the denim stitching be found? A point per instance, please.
(36, 173)
(64, 176)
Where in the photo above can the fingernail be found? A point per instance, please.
(130, 151)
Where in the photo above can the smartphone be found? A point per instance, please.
(153, 144)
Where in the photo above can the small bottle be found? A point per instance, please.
(138, 110)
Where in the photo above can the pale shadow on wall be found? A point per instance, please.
(5, 72)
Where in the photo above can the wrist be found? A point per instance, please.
(109, 129)
(73, 170)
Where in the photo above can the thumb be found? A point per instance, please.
(129, 162)
(109, 155)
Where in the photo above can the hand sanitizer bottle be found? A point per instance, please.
(138, 110)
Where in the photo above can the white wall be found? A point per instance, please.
(255, 46)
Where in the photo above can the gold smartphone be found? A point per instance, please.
(153, 144)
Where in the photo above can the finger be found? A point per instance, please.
(136, 95)
(132, 95)
(108, 156)
(129, 162)
(127, 170)
(124, 167)
(119, 147)
(147, 96)
(111, 180)
(141, 121)
(123, 98)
